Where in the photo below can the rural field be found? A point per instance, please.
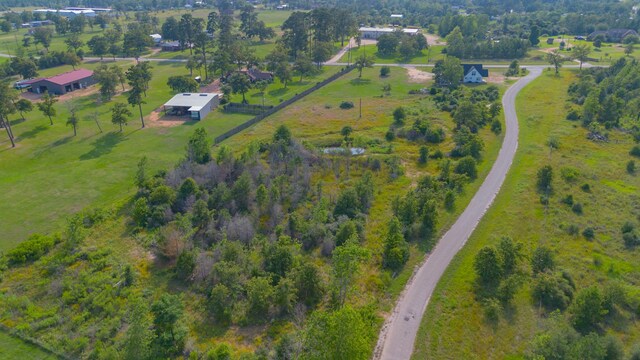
(454, 325)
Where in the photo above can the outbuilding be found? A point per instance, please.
(63, 83)
(196, 105)
(376, 32)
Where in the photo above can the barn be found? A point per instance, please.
(63, 83)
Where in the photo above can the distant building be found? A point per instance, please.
(157, 38)
(397, 16)
(282, 7)
(171, 46)
(376, 32)
(66, 12)
(255, 75)
(612, 35)
(62, 83)
(196, 105)
(97, 10)
(35, 24)
(474, 73)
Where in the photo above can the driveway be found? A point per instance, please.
(398, 334)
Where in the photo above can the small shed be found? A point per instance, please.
(196, 105)
(157, 38)
(63, 83)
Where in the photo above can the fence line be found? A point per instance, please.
(282, 105)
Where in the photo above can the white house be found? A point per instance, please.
(67, 13)
(157, 38)
(197, 105)
(375, 32)
(474, 73)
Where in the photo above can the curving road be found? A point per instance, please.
(398, 334)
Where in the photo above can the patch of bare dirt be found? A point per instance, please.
(158, 118)
(496, 78)
(418, 76)
(433, 39)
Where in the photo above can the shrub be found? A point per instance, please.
(496, 126)
(544, 200)
(399, 116)
(631, 167)
(467, 166)
(568, 200)
(552, 291)
(573, 229)
(585, 187)
(589, 233)
(545, 178)
(345, 105)
(437, 154)
(385, 71)
(424, 155)
(573, 115)
(569, 174)
(635, 151)
(390, 135)
(30, 250)
(587, 309)
(577, 208)
(542, 260)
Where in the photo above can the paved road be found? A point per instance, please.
(399, 332)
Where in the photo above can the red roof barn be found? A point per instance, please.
(63, 83)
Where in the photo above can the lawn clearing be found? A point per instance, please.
(14, 348)
(454, 325)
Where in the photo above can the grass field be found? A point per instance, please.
(58, 174)
(454, 325)
(14, 348)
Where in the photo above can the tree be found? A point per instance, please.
(183, 84)
(424, 155)
(99, 46)
(362, 62)
(545, 179)
(296, 31)
(510, 254)
(387, 44)
(23, 106)
(120, 114)
(46, 106)
(7, 107)
(542, 260)
(448, 72)
(77, 24)
(167, 312)
(25, 67)
(581, 53)
(488, 267)
(136, 41)
(321, 52)
(556, 59)
(262, 86)
(240, 83)
(199, 147)
(309, 284)
(467, 166)
(534, 35)
(629, 49)
(396, 250)
(342, 334)
(346, 261)
(43, 35)
(260, 295)
(73, 121)
(399, 116)
(135, 98)
(587, 309)
(73, 42)
(170, 29)
(303, 66)
(107, 81)
(118, 74)
(139, 336)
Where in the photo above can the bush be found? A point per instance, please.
(385, 71)
(573, 115)
(390, 135)
(577, 208)
(545, 178)
(424, 155)
(345, 105)
(437, 154)
(399, 116)
(542, 260)
(585, 187)
(589, 233)
(552, 291)
(573, 229)
(568, 200)
(631, 167)
(569, 174)
(635, 151)
(496, 126)
(34, 248)
(467, 166)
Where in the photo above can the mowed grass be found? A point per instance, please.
(454, 326)
(52, 174)
(14, 348)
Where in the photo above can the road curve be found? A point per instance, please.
(398, 334)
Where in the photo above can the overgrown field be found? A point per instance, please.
(98, 255)
(59, 174)
(457, 324)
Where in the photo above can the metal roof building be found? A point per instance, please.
(63, 83)
(198, 105)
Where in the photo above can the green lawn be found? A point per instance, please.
(58, 174)
(454, 325)
(14, 348)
